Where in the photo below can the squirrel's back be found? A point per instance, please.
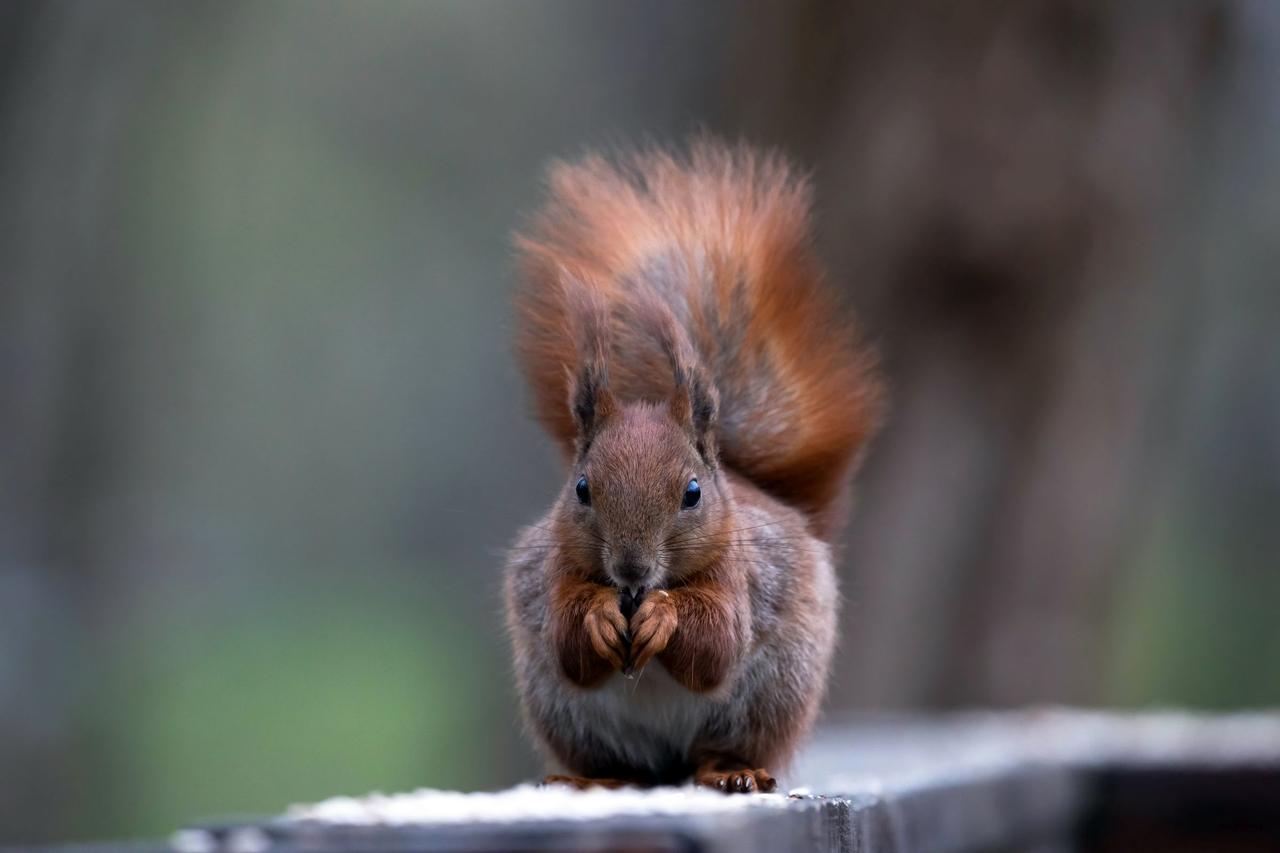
(720, 237)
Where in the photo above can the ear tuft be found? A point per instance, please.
(695, 404)
(590, 399)
(694, 401)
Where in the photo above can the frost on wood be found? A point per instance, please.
(525, 803)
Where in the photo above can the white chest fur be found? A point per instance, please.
(643, 718)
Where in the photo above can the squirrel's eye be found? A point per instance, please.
(584, 493)
(691, 494)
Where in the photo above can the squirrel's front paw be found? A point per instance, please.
(606, 628)
(652, 626)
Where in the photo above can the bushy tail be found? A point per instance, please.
(721, 238)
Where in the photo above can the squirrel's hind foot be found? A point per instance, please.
(582, 783)
(742, 781)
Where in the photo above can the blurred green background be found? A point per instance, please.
(262, 440)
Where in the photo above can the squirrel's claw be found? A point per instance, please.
(652, 627)
(606, 628)
(744, 781)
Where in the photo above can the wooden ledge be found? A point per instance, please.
(1050, 779)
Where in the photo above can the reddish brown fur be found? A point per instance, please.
(589, 632)
(675, 328)
(798, 399)
(708, 610)
(587, 637)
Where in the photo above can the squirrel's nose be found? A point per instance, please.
(631, 575)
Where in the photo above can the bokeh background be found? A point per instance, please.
(262, 439)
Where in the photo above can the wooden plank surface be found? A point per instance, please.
(1042, 780)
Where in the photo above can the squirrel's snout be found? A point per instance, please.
(631, 576)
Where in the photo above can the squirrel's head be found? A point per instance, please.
(644, 501)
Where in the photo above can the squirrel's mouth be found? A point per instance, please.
(626, 587)
(628, 601)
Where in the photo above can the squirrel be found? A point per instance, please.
(673, 615)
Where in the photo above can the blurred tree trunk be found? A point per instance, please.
(998, 183)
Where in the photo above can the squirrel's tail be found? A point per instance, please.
(720, 239)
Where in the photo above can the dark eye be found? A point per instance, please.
(692, 494)
(584, 493)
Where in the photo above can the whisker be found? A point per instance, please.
(689, 538)
(583, 531)
(789, 544)
(744, 540)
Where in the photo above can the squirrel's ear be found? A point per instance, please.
(591, 402)
(589, 397)
(695, 404)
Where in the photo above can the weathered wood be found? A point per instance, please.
(1050, 780)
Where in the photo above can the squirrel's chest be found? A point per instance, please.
(646, 717)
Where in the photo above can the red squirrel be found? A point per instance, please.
(673, 615)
